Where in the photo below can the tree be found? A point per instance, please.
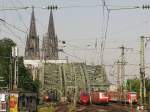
(133, 85)
(25, 78)
(5, 54)
(25, 81)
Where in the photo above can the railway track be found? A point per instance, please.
(111, 107)
(103, 108)
(61, 107)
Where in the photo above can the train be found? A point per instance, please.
(103, 97)
(123, 97)
(98, 97)
(132, 97)
(84, 98)
(94, 97)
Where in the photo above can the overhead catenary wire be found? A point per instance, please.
(18, 29)
(14, 34)
(21, 19)
(13, 8)
(104, 33)
(64, 7)
(20, 8)
(103, 29)
(72, 55)
(7, 25)
(117, 7)
(3, 5)
(19, 15)
(13, 26)
(105, 36)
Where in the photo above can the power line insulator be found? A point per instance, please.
(146, 6)
(52, 7)
(56, 7)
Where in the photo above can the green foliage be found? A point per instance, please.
(36, 85)
(133, 85)
(25, 78)
(5, 53)
(25, 81)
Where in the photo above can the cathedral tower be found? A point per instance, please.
(50, 41)
(32, 43)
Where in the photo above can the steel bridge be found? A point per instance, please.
(67, 79)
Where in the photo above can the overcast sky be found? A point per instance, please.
(79, 23)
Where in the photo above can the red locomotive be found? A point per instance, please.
(98, 97)
(84, 98)
(124, 97)
(132, 97)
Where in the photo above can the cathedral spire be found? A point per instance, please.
(32, 30)
(51, 29)
(50, 43)
(32, 43)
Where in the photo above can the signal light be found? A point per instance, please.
(46, 98)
